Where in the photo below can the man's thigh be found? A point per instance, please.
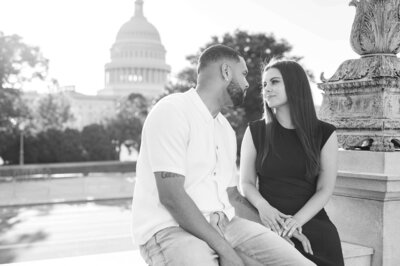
(262, 244)
(174, 246)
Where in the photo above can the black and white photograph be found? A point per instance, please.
(199, 133)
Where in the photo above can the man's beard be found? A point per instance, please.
(235, 93)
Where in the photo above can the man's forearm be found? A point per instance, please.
(243, 207)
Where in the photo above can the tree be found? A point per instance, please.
(12, 109)
(185, 79)
(19, 63)
(52, 111)
(127, 125)
(97, 143)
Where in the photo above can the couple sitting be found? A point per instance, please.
(185, 193)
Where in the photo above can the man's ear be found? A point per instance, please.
(226, 72)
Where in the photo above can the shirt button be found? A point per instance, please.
(217, 147)
(215, 173)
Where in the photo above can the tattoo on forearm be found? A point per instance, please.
(168, 175)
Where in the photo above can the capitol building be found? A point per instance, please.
(137, 65)
(137, 59)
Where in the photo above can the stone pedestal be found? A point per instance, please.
(362, 100)
(365, 206)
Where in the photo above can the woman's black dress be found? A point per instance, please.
(283, 184)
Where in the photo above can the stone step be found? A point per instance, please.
(356, 255)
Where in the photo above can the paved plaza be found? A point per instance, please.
(131, 258)
(86, 233)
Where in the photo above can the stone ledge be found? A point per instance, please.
(380, 187)
(353, 250)
(371, 162)
(85, 168)
(62, 190)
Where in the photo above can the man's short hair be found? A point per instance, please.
(215, 53)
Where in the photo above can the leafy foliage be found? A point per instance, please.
(97, 143)
(19, 63)
(52, 112)
(131, 114)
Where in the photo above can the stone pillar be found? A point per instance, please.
(157, 76)
(145, 75)
(365, 206)
(362, 99)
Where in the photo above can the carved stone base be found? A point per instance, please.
(362, 100)
(380, 141)
(367, 68)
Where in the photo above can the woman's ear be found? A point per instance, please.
(226, 71)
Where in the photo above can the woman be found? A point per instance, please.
(288, 164)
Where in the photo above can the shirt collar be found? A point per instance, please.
(201, 107)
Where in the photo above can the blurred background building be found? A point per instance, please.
(137, 65)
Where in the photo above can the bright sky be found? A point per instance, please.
(76, 35)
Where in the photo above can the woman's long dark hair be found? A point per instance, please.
(302, 112)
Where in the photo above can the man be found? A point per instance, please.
(181, 211)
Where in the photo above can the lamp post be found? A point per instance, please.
(21, 128)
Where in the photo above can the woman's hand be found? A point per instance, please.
(291, 225)
(272, 218)
(304, 241)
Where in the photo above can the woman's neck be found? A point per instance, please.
(283, 116)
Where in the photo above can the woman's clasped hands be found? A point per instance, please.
(284, 225)
(273, 219)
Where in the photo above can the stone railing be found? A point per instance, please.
(85, 168)
(66, 182)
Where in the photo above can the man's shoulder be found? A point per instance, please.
(173, 103)
(174, 98)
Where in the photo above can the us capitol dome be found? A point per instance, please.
(137, 59)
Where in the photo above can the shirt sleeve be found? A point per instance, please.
(166, 134)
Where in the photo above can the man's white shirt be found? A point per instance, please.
(180, 136)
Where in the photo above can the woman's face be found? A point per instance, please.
(274, 92)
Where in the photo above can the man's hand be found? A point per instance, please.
(219, 222)
(230, 259)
